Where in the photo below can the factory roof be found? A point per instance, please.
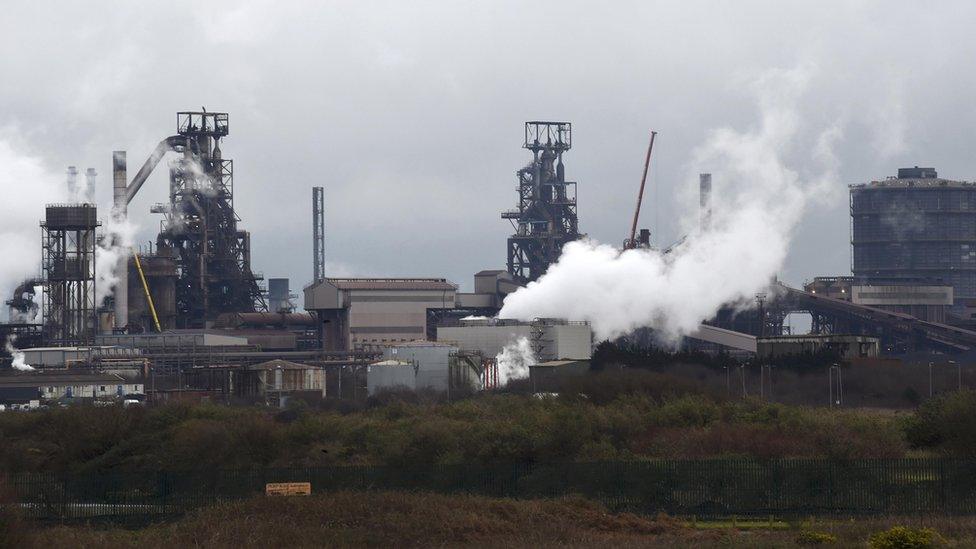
(278, 364)
(906, 183)
(490, 272)
(392, 284)
(37, 380)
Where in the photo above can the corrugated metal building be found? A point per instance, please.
(916, 226)
(362, 312)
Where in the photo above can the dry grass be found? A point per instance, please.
(391, 519)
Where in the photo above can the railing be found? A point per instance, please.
(705, 488)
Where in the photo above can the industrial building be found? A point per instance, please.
(61, 386)
(923, 299)
(847, 347)
(426, 365)
(272, 382)
(356, 313)
(550, 339)
(916, 226)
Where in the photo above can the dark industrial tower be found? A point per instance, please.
(546, 216)
(68, 241)
(213, 257)
(916, 227)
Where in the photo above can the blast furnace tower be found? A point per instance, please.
(546, 216)
(213, 257)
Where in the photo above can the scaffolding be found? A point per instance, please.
(545, 219)
(68, 243)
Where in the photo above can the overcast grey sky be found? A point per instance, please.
(410, 113)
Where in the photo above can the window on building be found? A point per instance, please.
(102, 388)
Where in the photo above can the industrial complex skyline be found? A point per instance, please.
(413, 124)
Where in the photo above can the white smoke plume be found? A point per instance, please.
(111, 255)
(514, 361)
(27, 187)
(757, 202)
(17, 355)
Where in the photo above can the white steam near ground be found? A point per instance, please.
(17, 356)
(514, 360)
(757, 202)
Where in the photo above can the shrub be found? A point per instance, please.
(947, 422)
(810, 537)
(903, 537)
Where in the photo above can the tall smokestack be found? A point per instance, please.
(705, 200)
(318, 233)
(120, 212)
(72, 184)
(90, 174)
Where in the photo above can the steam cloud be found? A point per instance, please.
(514, 360)
(758, 201)
(27, 187)
(111, 255)
(17, 356)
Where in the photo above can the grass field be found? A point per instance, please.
(388, 519)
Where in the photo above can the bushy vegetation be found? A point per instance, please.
(629, 416)
(904, 537)
(946, 423)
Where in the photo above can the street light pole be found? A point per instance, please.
(930, 380)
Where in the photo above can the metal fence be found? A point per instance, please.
(705, 488)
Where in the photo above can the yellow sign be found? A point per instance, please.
(288, 489)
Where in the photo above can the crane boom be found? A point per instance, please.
(631, 242)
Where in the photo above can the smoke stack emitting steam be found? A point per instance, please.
(725, 261)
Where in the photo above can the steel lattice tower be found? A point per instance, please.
(68, 241)
(546, 216)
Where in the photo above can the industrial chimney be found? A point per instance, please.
(119, 213)
(705, 200)
(90, 174)
(72, 184)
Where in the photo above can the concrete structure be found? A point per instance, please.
(916, 226)
(848, 346)
(356, 313)
(551, 339)
(490, 288)
(58, 386)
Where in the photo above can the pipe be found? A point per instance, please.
(119, 213)
(172, 143)
(145, 288)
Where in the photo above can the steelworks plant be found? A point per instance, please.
(191, 319)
